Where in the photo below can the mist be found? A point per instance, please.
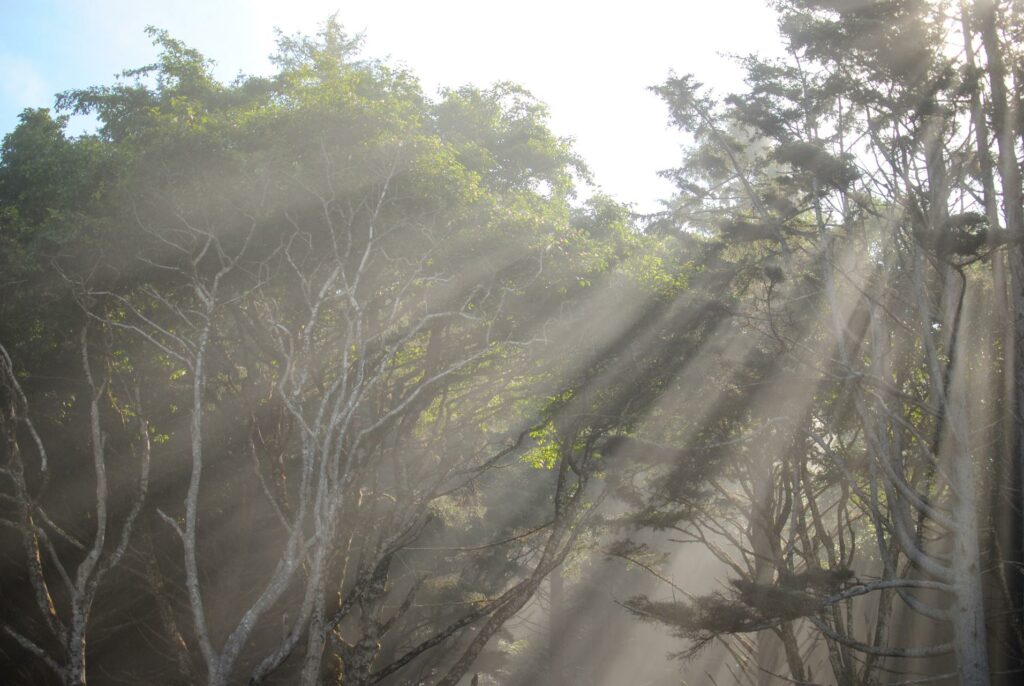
(314, 377)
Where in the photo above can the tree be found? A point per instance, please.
(333, 303)
(845, 174)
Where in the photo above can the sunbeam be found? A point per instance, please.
(312, 377)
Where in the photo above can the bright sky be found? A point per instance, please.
(591, 62)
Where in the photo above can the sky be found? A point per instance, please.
(591, 62)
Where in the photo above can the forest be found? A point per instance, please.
(315, 378)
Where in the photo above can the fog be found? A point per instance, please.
(318, 375)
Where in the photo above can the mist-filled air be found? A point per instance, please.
(314, 377)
